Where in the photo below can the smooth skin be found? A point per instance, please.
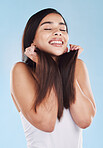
(23, 88)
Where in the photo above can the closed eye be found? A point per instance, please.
(62, 30)
(51, 29)
(47, 29)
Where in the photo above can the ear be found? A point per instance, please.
(66, 50)
(33, 43)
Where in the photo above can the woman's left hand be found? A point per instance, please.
(76, 47)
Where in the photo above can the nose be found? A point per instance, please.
(57, 32)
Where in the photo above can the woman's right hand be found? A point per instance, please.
(30, 52)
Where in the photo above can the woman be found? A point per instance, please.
(51, 87)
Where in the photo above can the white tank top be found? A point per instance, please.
(66, 134)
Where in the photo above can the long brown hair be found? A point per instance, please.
(59, 74)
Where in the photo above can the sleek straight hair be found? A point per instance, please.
(58, 74)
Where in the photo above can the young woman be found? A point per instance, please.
(51, 87)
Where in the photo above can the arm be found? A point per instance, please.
(23, 90)
(83, 110)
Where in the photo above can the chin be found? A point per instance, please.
(58, 53)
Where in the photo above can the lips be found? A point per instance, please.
(56, 42)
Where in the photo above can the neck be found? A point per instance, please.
(54, 58)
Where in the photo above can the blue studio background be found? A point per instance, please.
(85, 23)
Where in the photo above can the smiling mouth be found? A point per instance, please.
(56, 43)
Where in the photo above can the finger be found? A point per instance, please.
(31, 56)
(27, 53)
(34, 58)
(75, 47)
(33, 46)
(30, 53)
(71, 45)
(30, 50)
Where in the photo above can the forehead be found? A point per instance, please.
(52, 17)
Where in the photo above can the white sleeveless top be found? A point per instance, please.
(66, 134)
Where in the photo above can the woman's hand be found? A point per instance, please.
(76, 47)
(30, 52)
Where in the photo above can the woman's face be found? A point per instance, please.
(51, 35)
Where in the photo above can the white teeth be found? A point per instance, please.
(58, 42)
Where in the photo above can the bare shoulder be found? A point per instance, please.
(19, 66)
(21, 73)
(20, 70)
(81, 68)
(80, 63)
(22, 85)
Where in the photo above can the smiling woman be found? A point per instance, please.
(51, 87)
(52, 32)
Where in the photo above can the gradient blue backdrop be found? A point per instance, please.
(85, 22)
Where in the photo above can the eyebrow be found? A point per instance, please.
(52, 23)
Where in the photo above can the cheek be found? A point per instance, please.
(41, 40)
(38, 39)
(43, 37)
(67, 37)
